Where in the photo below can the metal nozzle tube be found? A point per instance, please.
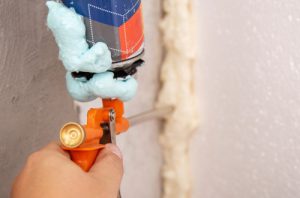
(158, 113)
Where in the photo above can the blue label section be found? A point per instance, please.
(109, 12)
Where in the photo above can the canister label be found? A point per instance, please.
(118, 23)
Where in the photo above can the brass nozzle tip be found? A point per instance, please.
(72, 135)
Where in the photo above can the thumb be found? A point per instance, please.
(108, 168)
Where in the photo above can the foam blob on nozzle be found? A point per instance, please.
(102, 84)
(70, 35)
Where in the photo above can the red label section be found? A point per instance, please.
(131, 34)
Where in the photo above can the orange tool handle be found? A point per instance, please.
(89, 146)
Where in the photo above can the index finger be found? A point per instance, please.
(54, 147)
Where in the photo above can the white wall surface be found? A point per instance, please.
(248, 84)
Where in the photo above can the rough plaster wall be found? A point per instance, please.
(142, 155)
(34, 103)
(248, 85)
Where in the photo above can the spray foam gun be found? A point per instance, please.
(118, 23)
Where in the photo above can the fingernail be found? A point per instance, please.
(114, 149)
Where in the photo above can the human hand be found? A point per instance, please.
(50, 173)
